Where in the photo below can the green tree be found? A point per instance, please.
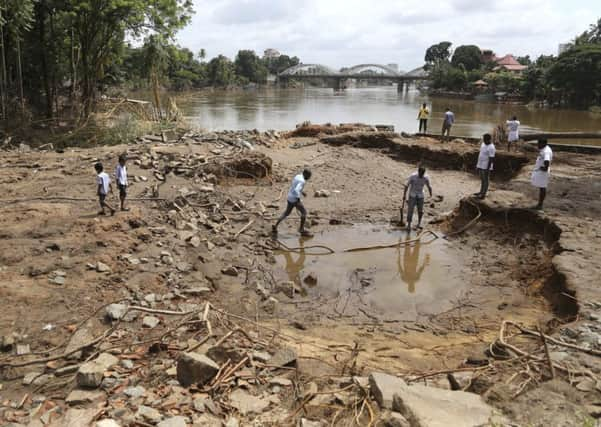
(592, 35)
(221, 71)
(250, 67)
(437, 53)
(577, 73)
(469, 56)
(102, 25)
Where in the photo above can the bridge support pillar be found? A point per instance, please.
(399, 86)
(339, 84)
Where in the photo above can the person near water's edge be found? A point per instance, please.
(422, 116)
(415, 186)
(485, 164)
(513, 134)
(294, 201)
(449, 119)
(542, 171)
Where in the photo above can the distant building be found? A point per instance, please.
(393, 66)
(488, 55)
(563, 47)
(271, 53)
(509, 63)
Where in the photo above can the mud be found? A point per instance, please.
(453, 155)
(409, 311)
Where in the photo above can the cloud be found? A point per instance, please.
(347, 32)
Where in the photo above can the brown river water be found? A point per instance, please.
(283, 109)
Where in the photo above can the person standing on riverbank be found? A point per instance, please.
(542, 171)
(485, 164)
(513, 134)
(422, 116)
(121, 178)
(449, 119)
(294, 201)
(415, 186)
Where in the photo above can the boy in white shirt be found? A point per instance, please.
(121, 179)
(103, 182)
(294, 201)
(542, 171)
(485, 164)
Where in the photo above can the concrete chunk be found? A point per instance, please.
(90, 374)
(195, 368)
(433, 407)
(383, 387)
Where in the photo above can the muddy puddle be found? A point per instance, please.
(395, 284)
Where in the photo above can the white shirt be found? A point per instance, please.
(416, 185)
(296, 189)
(104, 180)
(544, 154)
(513, 126)
(121, 174)
(486, 151)
(449, 117)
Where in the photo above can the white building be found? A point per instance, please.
(563, 47)
(271, 53)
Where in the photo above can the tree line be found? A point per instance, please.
(56, 56)
(571, 78)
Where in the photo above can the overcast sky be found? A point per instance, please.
(348, 32)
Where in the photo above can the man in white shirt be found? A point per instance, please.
(485, 164)
(294, 201)
(447, 123)
(513, 134)
(542, 171)
(415, 186)
(121, 178)
(103, 183)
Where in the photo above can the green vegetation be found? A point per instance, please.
(572, 78)
(57, 56)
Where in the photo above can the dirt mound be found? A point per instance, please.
(310, 130)
(248, 165)
(453, 155)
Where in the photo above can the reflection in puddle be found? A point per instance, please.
(421, 277)
(408, 263)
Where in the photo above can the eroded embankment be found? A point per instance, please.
(558, 290)
(453, 155)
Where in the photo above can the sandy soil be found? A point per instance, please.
(509, 268)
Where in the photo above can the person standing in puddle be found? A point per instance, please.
(294, 202)
(415, 187)
(542, 171)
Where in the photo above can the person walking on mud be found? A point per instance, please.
(485, 164)
(103, 183)
(294, 201)
(447, 123)
(422, 116)
(542, 171)
(513, 134)
(121, 178)
(415, 187)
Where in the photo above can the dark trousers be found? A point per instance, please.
(301, 210)
(484, 178)
(423, 123)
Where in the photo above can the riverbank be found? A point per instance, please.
(293, 333)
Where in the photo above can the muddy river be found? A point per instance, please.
(282, 109)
